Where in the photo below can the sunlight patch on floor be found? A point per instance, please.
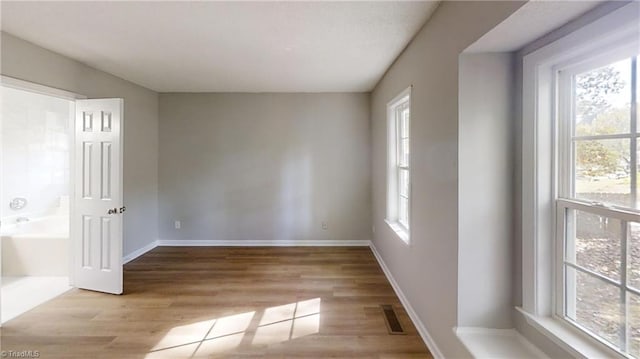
(232, 324)
(272, 333)
(269, 326)
(184, 334)
(278, 314)
(219, 345)
(305, 326)
(182, 351)
(295, 320)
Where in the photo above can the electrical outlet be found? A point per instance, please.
(373, 229)
(325, 226)
(177, 224)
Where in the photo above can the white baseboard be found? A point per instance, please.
(264, 243)
(422, 330)
(138, 252)
(239, 243)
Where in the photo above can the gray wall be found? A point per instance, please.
(427, 270)
(26, 61)
(485, 189)
(265, 167)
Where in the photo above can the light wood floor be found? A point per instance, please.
(183, 302)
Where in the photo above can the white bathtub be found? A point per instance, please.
(39, 247)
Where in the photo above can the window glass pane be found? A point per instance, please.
(595, 244)
(404, 152)
(403, 212)
(404, 118)
(633, 252)
(634, 324)
(594, 304)
(404, 183)
(603, 100)
(601, 170)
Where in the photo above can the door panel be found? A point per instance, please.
(97, 218)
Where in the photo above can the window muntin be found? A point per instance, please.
(598, 204)
(399, 172)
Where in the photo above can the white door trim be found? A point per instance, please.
(18, 84)
(39, 89)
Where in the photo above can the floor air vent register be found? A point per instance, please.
(391, 319)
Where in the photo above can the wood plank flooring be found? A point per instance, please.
(226, 302)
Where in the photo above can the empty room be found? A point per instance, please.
(319, 179)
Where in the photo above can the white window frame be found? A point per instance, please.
(541, 154)
(394, 168)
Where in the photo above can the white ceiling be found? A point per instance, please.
(226, 46)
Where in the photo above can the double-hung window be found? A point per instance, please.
(598, 222)
(581, 179)
(398, 180)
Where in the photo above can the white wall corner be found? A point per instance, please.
(138, 252)
(422, 330)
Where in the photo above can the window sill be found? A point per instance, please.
(569, 338)
(497, 343)
(402, 233)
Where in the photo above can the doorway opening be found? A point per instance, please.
(36, 135)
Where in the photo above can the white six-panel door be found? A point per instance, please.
(98, 203)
